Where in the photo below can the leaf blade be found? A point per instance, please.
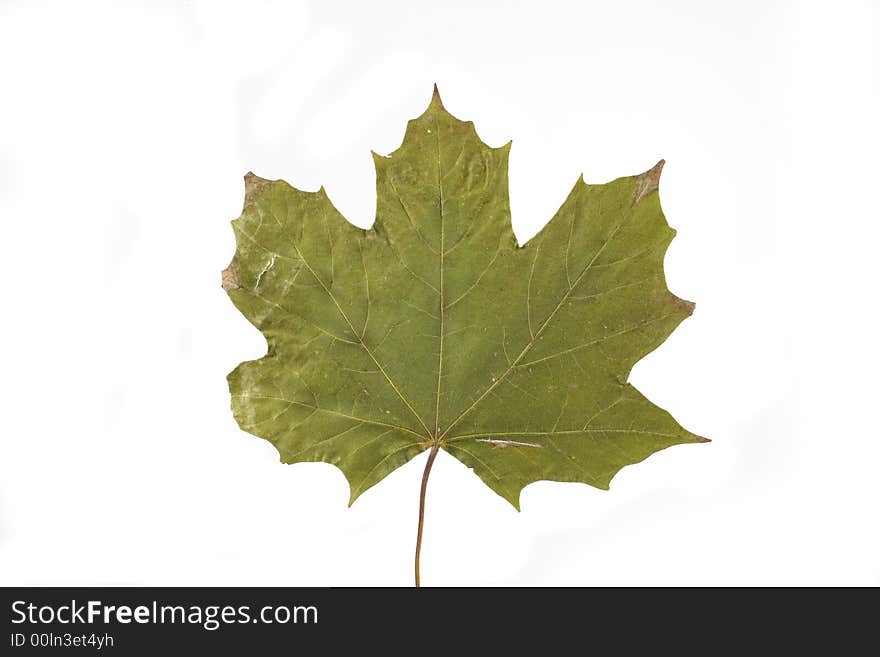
(434, 326)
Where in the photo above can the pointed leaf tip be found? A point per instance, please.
(648, 181)
(435, 97)
(682, 305)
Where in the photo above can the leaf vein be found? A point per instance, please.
(331, 411)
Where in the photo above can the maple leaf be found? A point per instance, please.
(436, 330)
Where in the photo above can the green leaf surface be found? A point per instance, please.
(436, 327)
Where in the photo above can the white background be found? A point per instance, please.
(124, 135)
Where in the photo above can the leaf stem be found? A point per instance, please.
(425, 475)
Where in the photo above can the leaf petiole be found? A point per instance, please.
(431, 456)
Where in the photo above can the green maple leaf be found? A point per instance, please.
(435, 330)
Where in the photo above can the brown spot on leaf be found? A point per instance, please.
(682, 305)
(230, 280)
(252, 185)
(648, 182)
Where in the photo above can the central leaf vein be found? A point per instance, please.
(441, 295)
